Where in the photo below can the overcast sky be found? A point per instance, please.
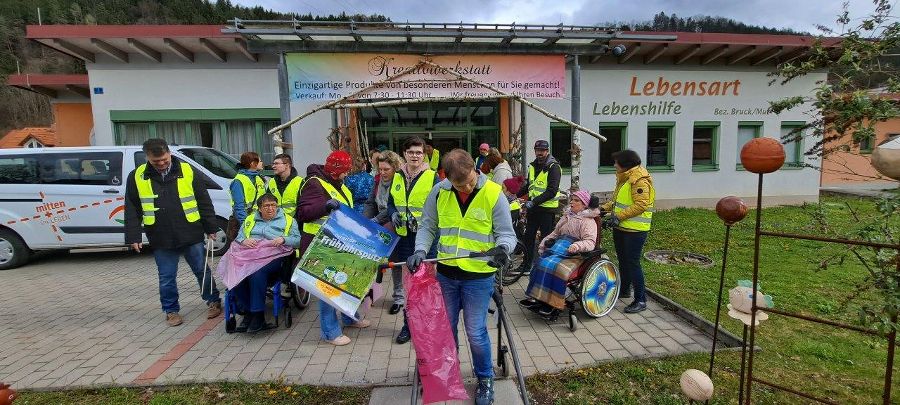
(802, 15)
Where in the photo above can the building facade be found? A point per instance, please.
(685, 102)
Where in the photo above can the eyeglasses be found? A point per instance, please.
(414, 153)
(278, 163)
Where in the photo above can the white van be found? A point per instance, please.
(64, 198)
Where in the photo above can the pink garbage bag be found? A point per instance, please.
(240, 261)
(432, 337)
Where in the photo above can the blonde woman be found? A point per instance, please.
(376, 206)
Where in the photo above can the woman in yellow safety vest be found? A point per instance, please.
(631, 211)
(324, 191)
(247, 186)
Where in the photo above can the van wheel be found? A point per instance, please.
(220, 244)
(13, 252)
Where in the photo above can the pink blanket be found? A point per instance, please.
(240, 261)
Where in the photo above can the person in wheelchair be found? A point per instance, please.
(268, 227)
(576, 232)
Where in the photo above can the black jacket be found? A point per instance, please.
(171, 230)
(554, 173)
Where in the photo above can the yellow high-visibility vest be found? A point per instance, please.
(185, 194)
(346, 198)
(624, 200)
(417, 196)
(250, 222)
(538, 184)
(435, 160)
(288, 201)
(252, 190)
(463, 234)
(515, 206)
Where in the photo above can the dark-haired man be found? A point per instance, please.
(165, 200)
(542, 189)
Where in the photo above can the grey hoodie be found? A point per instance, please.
(503, 233)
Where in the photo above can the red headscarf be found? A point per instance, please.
(337, 163)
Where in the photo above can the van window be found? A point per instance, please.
(81, 168)
(218, 163)
(140, 158)
(19, 169)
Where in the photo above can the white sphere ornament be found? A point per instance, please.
(886, 159)
(696, 385)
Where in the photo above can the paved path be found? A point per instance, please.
(93, 319)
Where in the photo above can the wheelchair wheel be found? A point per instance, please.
(600, 288)
(300, 297)
(513, 274)
(288, 316)
(502, 363)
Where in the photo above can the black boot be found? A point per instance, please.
(403, 336)
(635, 307)
(258, 322)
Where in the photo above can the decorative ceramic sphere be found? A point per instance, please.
(696, 385)
(886, 159)
(731, 209)
(762, 155)
(7, 394)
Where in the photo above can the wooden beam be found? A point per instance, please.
(242, 48)
(551, 41)
(44, 90)
(741, 54)
(771, 53)
(656, 53)
(213, 50)
(714, 54)
(797, 53)
(145, 50)
(73, 50)
(595, 58)
(630, 52)
(81, 91)
(687, 54)
(179, 50)
(110, 50)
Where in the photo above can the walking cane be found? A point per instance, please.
(207, 259)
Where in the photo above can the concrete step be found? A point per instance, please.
(505, 392)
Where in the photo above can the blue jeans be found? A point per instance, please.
(329, 322)
(628, 249)
(167, 265)
(473, 298)
(251, 291)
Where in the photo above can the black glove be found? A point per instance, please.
(548, 243)
(332, 205)
(611, 221)
(498, 255)
(413, 262)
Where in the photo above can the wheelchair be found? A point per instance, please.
(280, 305)
(594, 285)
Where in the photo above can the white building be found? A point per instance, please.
(685, 102)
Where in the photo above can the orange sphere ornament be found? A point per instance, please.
(762, 155)
(731, 210)
(7, 394)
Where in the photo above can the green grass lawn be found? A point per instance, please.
(843, 366)
(220, 393)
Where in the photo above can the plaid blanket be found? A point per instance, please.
(549, 276)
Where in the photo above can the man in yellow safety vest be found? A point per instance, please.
(542, 189)
(409, 189)
(631, 210)
(466, 213)
(165, 200)
(285, 186)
